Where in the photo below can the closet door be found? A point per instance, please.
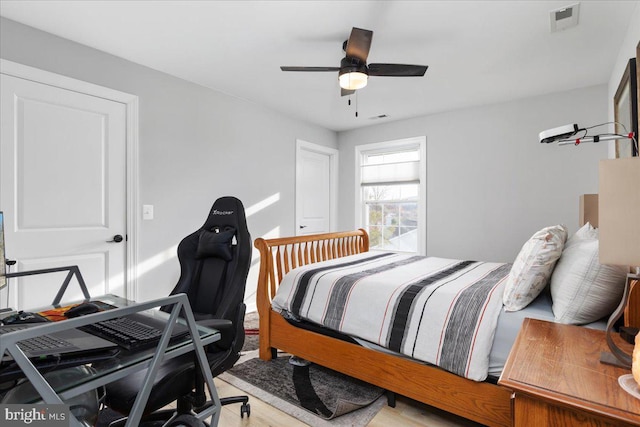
(62, 189)
(316, 188)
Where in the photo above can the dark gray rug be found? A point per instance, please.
(313, 394)
(251, 338)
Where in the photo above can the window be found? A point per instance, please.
(391, 193)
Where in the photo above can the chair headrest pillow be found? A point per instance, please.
(216, 243)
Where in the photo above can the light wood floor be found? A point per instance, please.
(407, 413)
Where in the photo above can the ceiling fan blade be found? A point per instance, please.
(397, 70)
(310, 68)
(359, 43)
(346, 92)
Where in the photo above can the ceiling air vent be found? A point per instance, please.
(379, 116)
(564, 18)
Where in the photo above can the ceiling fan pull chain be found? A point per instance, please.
(356, 104)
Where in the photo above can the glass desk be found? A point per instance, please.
(125, 362)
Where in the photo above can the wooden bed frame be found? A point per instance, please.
(484, 402)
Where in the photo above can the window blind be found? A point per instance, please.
(406, 172)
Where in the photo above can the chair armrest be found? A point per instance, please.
(223, 325)
(226, 328)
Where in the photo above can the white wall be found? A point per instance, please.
(196, 145)
(490, 183)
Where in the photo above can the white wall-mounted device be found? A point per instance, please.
(559, 133)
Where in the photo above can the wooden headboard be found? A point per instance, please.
(589, 210)
(286, 253)
(280, 255)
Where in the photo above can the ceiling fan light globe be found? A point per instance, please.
(353, 80)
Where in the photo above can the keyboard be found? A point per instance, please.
(38, 344)
(127, 333)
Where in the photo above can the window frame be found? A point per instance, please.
(419, 143)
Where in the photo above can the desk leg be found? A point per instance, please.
(203, 365)
(41, 385)
(37, 380)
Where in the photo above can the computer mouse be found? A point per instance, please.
(82, 309)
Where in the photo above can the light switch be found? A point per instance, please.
(147, 211)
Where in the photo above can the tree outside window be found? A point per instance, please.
(391, 216)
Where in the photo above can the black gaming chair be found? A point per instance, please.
(214, 263)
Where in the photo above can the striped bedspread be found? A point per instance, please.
(439, 311)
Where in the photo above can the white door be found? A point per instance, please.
(316, 188)
(62, 189)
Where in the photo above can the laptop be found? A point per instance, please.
(70, 348)
(70, 342)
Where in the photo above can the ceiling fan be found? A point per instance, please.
(354, 72)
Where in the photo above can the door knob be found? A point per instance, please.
(116, 239)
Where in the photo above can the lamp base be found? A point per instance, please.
(609, 359)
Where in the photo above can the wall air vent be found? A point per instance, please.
(564, 18)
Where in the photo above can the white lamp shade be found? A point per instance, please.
(619, 211)
(353, 80)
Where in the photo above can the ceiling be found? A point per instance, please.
(478, 52)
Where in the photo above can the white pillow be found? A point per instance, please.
(582, 289)
(533, 266)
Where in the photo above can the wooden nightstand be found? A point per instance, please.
(555, 373)
(631, 312)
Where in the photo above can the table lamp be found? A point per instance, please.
(619, 233)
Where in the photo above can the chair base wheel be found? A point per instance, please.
(245, 409)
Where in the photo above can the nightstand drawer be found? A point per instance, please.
(531, 411)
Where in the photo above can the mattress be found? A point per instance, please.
(509, 323)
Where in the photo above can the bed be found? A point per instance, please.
(481, 401)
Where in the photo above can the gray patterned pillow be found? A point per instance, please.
(533, 266)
